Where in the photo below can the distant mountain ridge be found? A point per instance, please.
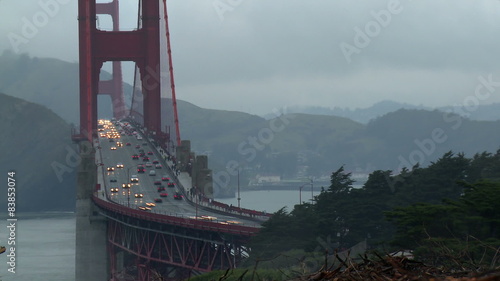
(49, 82)
(35, 143)
(487, 112)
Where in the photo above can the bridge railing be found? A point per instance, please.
(217, 226)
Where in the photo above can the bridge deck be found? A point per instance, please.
(207, 214)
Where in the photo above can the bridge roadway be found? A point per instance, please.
(184, 208)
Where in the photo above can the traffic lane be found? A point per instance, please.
(148, 189)
(112, 157)
(143, 178)
(123, 155)
(146, 183)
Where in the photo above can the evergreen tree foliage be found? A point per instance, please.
(451, 206)
(458, 233)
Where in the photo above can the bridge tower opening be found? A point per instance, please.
(114, 86)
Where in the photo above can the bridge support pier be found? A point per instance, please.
(91, 256)
(197, 167)
(120, 261)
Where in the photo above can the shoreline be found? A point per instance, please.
(231, 193)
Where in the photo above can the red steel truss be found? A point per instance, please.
(161, 242)
(159, 247)
(199, 252)
(117, 209)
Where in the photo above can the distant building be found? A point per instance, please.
(268, 178)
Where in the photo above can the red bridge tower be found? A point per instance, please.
(141, 46)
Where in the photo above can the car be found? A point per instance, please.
(144, 208)
(137, 146)
(138, 195)
(149, 164)
(161, 188)
(157, 182)
(110, 169)
(163, 194)
(134, 178)
(145, 159)
(119, 165)
(150, 204)
(152, 173)
(112, 179)
(150, 152)
(171, 184)
(113, 148)
(207, 218)
(128, 144)
(141, 170)
(119, 144)
(178, 196)
(156, 161)
(158, 200)
(126, 185)
(157, 166)
(114, 189)
(135, 157)
(165, 178)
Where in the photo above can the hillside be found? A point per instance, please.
(408, 136)
(274, 145)
(484, 112)
(34, 142)
(361, 115)
(323, 143)
(50, 82)
(196, 124)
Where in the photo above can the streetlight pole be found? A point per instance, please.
(312, 194)
(128, 186)
(128, 173)
(239, 198)
(196, 196)
(300, 193)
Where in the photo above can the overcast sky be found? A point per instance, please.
(259, 55)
